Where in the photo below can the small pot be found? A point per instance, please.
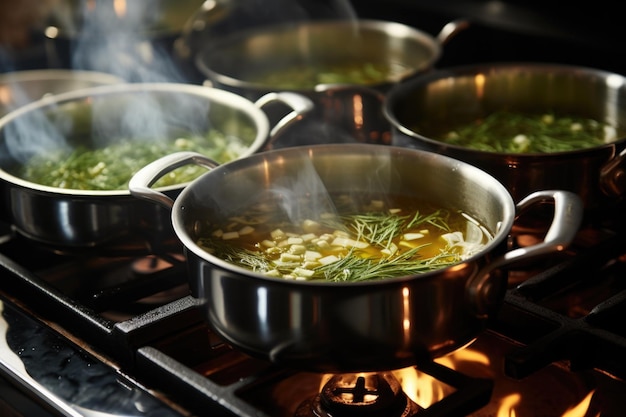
(463, 94)
(352, 327)
(73, 218)
(346, 112)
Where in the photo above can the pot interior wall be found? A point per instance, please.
(98, 120)
(317, 45)
(435, 103)
(344, 170)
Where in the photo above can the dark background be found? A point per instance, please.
(578, 33)
(587, 34)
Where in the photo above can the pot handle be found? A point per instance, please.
(450, 29)
(140, 183)
(486, 288)
(299, 104)
(613, 176)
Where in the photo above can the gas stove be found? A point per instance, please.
(118, 334)
(115, 332)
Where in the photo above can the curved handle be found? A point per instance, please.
(450, 29)
(613, 176)
(300, 106)
(140, 183)
(486, 288)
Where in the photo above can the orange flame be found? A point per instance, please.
(507, 405)
(581, 409)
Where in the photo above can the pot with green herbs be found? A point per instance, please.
(343, 65)
(65, 160)
(531, 125)
(349, 257)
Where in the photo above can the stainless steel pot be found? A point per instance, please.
(342, 327)
(23, 87)
(96, 116)
(461, 94)
(346, 112)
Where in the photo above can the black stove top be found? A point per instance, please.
(117, 333)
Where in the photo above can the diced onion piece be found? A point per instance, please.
(395, 210)
(268, 243)
(392, 249)
(328, 259)
(308, 237)
(230, 235)
(272, 273)
(413, 236)
(520, 139)
(312, 255)
(278, 234)
(345, 242)
(297, 249)
(301, 272)
(310, 226)
(288, 257)
(218, 233)
(246, 230)
(295, 240)
(322, 244)
(576, 127)
(453, 238)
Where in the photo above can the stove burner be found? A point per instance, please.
(377, 394)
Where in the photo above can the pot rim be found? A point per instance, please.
(225, 97)
(405, 87)
(15, 77)
(476, 175)
(395, 29)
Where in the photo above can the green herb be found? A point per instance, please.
(513, 132)
(283, 254)
(356, 268)
(111, 167)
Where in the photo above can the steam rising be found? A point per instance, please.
(304, 195)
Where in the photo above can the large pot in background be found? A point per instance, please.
(23, 87)
(351, 326)
(94, 117)
(348, 109)
(447, 97)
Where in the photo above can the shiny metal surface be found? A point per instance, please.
(444, 97)
(352, 111)
(77, 218)
(338, 327)
(23, 87)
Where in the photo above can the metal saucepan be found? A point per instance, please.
(97, 116)
(23, 87)
(341, 327)
(345, 110)
(462, 94)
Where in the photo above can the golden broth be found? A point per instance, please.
(348, 239)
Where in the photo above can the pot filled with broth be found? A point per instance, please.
(65, 160)
(349, 257)
(532, 126)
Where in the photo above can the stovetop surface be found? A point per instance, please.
(127, 363)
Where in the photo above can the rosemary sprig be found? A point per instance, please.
(377, 229)
(355, 268)
(255, 261)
